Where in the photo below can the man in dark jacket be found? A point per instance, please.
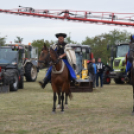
(92, 71)
(99, 65)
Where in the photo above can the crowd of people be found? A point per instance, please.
(96, 71)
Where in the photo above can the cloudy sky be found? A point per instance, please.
(31, 28)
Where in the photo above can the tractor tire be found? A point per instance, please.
(30, 73)
(106, 79)
(14, 86)
(21, 82)
(118, 81)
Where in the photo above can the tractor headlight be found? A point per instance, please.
(14, 63)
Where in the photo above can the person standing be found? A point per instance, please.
(92, 69)
(95, 71)
(99, 74)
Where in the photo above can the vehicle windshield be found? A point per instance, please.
(122, 50)
(78, 62)
(34, 53)
(8, 56)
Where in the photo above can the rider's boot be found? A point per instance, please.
(44, 83)
(74, 81)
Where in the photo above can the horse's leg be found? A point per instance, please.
(66, 101)
(54, 102)
(62, 104)
(59, 101)
(68, 93)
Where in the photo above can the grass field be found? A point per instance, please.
(105, 111)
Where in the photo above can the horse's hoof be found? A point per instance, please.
(62, 112)
(53, 112)
(58, 106)
(66, 106)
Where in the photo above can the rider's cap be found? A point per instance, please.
(61, 34)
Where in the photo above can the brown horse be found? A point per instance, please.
(60, 79)
(44, 58)
(130, 58)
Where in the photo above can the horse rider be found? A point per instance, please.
(128, 65)
(59, 47)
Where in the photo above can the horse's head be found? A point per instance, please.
(44, 57)
(53, 55)
(131, 53)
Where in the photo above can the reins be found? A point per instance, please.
(56, 62)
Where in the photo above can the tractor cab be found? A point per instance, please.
(83, 55)
(121, 50)
(12, 70)
(11, 57)
(119, 63)
(30, 60)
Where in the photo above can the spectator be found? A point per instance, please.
(95, 71)
(92, 71)
(99, 65)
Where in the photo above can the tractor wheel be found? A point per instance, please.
(118, 81)
(106, 79)
(14, 86)
(21, 82)
(30, 72)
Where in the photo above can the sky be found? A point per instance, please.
(32, 28)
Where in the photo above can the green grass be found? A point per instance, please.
(105, 111)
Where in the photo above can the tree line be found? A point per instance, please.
(97, 43)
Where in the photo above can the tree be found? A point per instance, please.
(18, 40)
(99, 43)
(40, 43)
(2, 41)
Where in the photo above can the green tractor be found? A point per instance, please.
(118, 63)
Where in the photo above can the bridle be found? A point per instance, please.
(51, 63)
(43, 61)
(56, 62)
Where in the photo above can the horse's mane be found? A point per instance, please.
(55, 53)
